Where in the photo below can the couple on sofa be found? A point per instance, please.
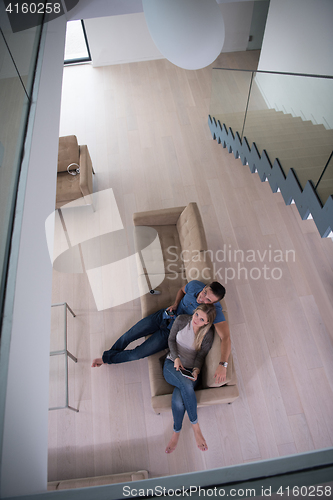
(189, 336)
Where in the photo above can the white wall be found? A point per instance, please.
(120, 39)
(26, 325)
(125, 38)
(299, 39)
(237, 18)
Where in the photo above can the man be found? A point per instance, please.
(187, 299)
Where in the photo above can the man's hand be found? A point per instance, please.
(179, 296)
(223, 332)
(173, 308)
(178, 364)
(221, 374)
(97, 362)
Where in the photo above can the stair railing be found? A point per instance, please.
(281, 125)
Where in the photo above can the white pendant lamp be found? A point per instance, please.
(189, 33)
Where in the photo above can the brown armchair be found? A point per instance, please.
(71, 157)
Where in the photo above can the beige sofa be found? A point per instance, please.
(184, 248)
(72, 187)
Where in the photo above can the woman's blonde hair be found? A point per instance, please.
(210, 311)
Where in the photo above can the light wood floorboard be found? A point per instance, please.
(145, 125)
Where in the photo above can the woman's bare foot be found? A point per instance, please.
(172, 443)
(200, 440)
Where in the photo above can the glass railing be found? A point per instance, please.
(229, 97)
(18, 55)
(288, 115)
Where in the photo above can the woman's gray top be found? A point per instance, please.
(187, 357)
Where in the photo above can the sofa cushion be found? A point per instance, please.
(158, 385)
(191, 231)
(199, 268)
(163, 217)
(168, 287)
(211, 363)
(68, 152)
(151, 254)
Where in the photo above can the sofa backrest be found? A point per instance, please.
(214, 357)
(196, 257)
(68, 152)
(198, 266)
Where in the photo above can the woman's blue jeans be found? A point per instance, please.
(183, 396)
(153, 324)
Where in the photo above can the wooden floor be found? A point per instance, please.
(146, 128)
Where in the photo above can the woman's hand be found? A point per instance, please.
(195, 373)
(178, 364)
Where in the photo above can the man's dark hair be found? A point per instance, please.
(217, 289)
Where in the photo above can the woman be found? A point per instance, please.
(190, 339)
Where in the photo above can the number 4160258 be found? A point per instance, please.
(305, 491)
(34, 8)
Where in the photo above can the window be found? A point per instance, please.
(76, 46)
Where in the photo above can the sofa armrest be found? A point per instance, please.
(86, 172)
(164, 217)
(205, 397)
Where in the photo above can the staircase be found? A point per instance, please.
(287, 151)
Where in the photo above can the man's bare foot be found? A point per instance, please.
(97, 362)
(172, 443)
(200, 440)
